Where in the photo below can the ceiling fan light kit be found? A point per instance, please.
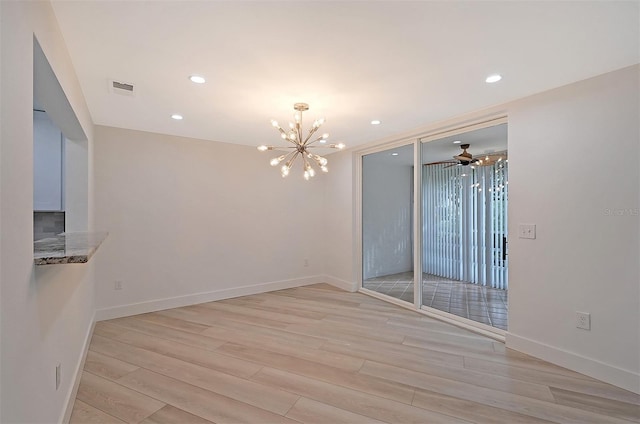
(466, 159)
(301, 145)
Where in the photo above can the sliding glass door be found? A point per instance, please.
(387, 222)
(453, 258)
(464, 217)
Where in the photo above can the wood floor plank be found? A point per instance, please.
(86, 414)
(325, 286)
(116, 400)
(596, 404)
(340, 299)
(186, 353)
(472, 411)
(263, 306)
(508, 401)
(339, 377)
(259, 314)
(312, 412)
(318, 355)
(171, 322)
(106, 366)
(477, 379)
(342, 332)
(450, 343)
(415, 358)
(203, 403)
(420, 322)
(213, 315)
(351, 400)
(243, 390)
(172, 415)
(156, 330)
(232, 330)
(301, 351)
(577, 383)
(321, 307)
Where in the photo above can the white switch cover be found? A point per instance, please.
(527, 231)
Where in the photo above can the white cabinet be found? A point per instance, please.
(48, 169)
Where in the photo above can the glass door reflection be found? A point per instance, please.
(387, 222)
(464, 208)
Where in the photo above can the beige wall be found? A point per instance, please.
(573, 171)
(46, 312)
(573, 155)
(193, 220)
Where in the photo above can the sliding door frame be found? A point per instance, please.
(418, 140)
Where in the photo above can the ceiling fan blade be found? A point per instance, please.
(453, 164)
(440, 162)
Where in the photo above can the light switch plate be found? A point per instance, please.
(527, 231)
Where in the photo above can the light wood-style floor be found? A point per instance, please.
(320, 355)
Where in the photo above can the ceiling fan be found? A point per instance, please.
(465, 158)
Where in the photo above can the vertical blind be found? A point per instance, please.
(465, 223)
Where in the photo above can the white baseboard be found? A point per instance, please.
(71, 396)
(350, 286)
(619, 377)
(193, 299)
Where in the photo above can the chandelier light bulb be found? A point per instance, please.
(301, 145)
(276, 161)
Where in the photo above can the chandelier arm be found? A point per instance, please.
(293, 159)
(287, 158)
(283, 132)
(307, 164)
(311, 132)
(300, 146)
(299, 128)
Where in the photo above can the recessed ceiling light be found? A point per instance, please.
(197, 79)
(176, 116)
(457, 142)
(395, 154)
(493, 78)
(376, 122)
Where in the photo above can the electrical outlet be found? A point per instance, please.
(583, 320)
(527, 231)
(117, 285)
(306, 262)
(58, 371)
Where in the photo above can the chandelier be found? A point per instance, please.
(301, 145)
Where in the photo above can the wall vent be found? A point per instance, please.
(122, 88)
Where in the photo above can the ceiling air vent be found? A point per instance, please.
(123, 88)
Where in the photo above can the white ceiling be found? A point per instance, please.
(405, 63)
(481, 142)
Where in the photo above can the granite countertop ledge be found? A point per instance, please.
(67, 248)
